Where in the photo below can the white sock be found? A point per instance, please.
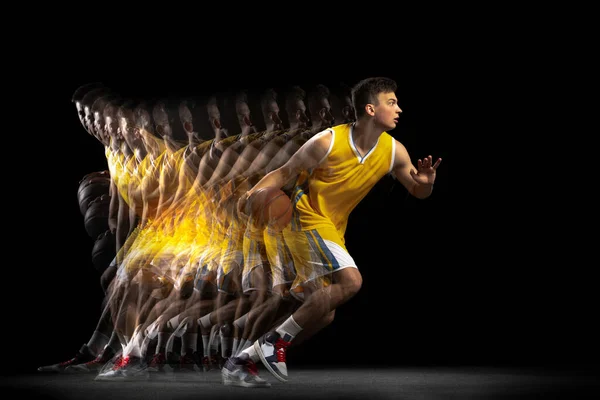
(145, 344)
(124, 344)
(182, 328)
(97, 342)
(244, 343)
(189, 341)
(236, 343)
(214, 340)
(205, 321)
(170, 343)
(251, 353)
(173, 322)
(114, 342)
(152, 330)
(289, 329)
(134, 347)
(205, 340)
(241, 321)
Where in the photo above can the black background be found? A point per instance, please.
(446, 282)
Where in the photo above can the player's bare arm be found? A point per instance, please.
(309, 156)
(417, 180)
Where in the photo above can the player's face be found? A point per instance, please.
(301, 116)
(243, 114)
(99, 127)
(128, 130)
(273, 115)
(88, 120)
(80, 112)
(325, 116)
(161, 119)
(214, 116)
(348, 109)
(387, 111)
(185, 115)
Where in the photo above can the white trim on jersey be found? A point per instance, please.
(361, 159)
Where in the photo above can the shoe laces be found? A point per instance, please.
(280, 347)
(121, 362)
(97, 360)
(68, 362)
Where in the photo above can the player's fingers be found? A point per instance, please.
(419, 164)
(437, 163)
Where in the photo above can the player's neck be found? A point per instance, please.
(171, 145)
(365, 133)
(247, 130)
(318, 127)
(193, 141)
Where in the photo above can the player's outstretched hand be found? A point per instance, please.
(425, 174)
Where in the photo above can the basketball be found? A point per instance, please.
(104, 251)
(96, 216)
(90, 189)
(270, 207)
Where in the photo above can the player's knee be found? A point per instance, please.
(352, 284)
(328, 319)
(163, 323)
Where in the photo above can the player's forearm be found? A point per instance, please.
(422, 191)
(276, 178)
(122, 227)
(113, 215)
(113, 208)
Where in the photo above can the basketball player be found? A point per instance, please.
(336, 169)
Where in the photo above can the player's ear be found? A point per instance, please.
(370, 108)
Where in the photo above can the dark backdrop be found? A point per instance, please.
(437, 290)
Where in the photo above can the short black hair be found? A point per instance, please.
(83, 89)
(315, 94)
(366, 92)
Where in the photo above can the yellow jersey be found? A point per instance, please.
(325, 196)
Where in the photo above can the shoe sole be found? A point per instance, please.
(109, 378)
(227, 381)
(266, 363)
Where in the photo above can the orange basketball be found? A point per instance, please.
(270, 207)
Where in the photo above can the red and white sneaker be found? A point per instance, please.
(271, 349)
(242, 372)
(210, 363)
(93, 366)
(83, 355)
(126, 368)
(112, 370)
(189, 362)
